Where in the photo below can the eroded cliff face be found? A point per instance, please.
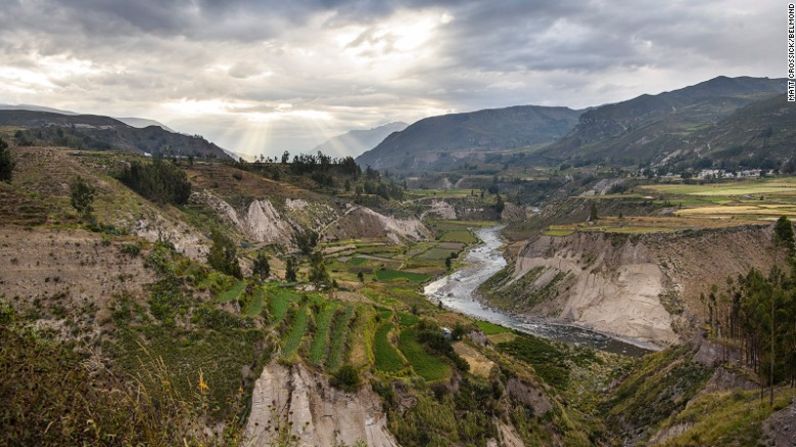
(642, 287)
(292, 401)
(359, 222)
(260, 221)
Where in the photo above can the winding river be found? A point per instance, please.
(457, 291)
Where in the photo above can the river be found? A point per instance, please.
(457, 292)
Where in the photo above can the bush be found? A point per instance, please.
(346, 378)
(159, 181)
(131, 249)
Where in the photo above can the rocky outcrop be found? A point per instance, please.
(293, 401)
(780, 427)
(260, 222)
(263, 223)
(185, 239)
(440, 208)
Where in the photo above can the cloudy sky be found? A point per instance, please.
(271, 75)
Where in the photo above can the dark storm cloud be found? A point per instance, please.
(354, 63)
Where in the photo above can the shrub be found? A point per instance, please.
(81, 195)
(131, 249)
(346, 378)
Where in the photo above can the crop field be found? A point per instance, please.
(436, 254)
(295, 334)
(782, 186)
(338, 337)
(387, 358)
(279, 303)
(254, 304)
(491, 328)
(232, 294)
(424, 364)
(655, 224)
(320, 342)
(392, 275)
(438, 193)
(463, 236)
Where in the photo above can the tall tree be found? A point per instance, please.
(223, 255)
(6, 162)
(261, 268)
(783, 233)
(290, 270)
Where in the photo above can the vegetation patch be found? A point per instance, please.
(424, 364)
(392, 275)
(491, 328)
(463, 236)
(295, 334)
(320, 343)
(387, 357)
(339, 337)
(232, 294)
(547, 360)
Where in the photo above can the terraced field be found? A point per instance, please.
(233, 293)
(294, 336)
(387, 358)
(338, 337)
(279, 300)
(320, 342)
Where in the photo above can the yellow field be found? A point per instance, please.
(645, 225)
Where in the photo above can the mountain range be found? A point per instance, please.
(102, 133)
(654, 128)
(439, 142)
(355, 142)
(130, 121)
(741, 122)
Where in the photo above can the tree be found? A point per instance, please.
(285, 157)
(306, 241)
(159, 181)
(499, 205)
(318, 274)
(290, 270)
(81, 195)
(593, 212)
(783, 233)
(261, 268)
(6, 163)
(223, 255)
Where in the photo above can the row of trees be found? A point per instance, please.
(160, 181)
(758, 313)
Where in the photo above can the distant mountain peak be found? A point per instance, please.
(356, 141)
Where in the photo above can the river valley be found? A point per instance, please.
(457, 291)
